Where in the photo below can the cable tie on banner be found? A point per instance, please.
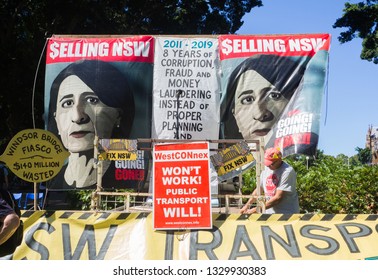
(182, 234)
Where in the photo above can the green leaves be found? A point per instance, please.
(361, 21)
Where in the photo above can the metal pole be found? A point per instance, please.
(259, 169)
(178, 95)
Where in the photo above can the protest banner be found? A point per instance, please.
(181, 183)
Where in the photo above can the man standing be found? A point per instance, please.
(278, 184)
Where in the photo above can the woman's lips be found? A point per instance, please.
(261, 132)
(79, 134)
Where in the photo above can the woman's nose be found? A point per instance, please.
(79, 116)
(262, 114)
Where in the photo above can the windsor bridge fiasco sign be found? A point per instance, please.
(35, 155)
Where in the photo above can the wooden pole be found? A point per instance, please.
(35, 197)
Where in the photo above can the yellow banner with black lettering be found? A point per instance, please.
(230, 161)
(117, 149)
(61, 235)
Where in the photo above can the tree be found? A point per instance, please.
(26, 25)
(364, 155)
(361, 19)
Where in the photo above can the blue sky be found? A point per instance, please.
(350, 104)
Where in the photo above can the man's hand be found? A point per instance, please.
(251, 211)
(246, 210)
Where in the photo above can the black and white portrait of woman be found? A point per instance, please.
(257, 92)
(88, 98)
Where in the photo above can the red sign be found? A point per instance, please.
(238, 46)
(181, 176)
(122, 49)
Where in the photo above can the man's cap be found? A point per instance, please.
(272, 155)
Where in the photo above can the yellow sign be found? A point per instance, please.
(232, 158)
(84, 235)
(117, 149)
(118, 155)
(235, 164)
(35, 155)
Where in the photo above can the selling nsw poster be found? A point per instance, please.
(272, 88)
(98, 87)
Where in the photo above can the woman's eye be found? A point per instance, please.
(246, 100)
(67, 104)
(275, 95)
(92, 100)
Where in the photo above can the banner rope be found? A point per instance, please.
(35, 81)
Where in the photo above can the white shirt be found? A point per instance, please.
(284, 178)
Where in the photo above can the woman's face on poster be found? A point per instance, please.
(258, 104)
(80, 115)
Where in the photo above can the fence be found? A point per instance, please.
(131, 202)
(143, 202)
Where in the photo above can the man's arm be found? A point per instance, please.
(245, 209)
(274, 200)
(270, 203)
